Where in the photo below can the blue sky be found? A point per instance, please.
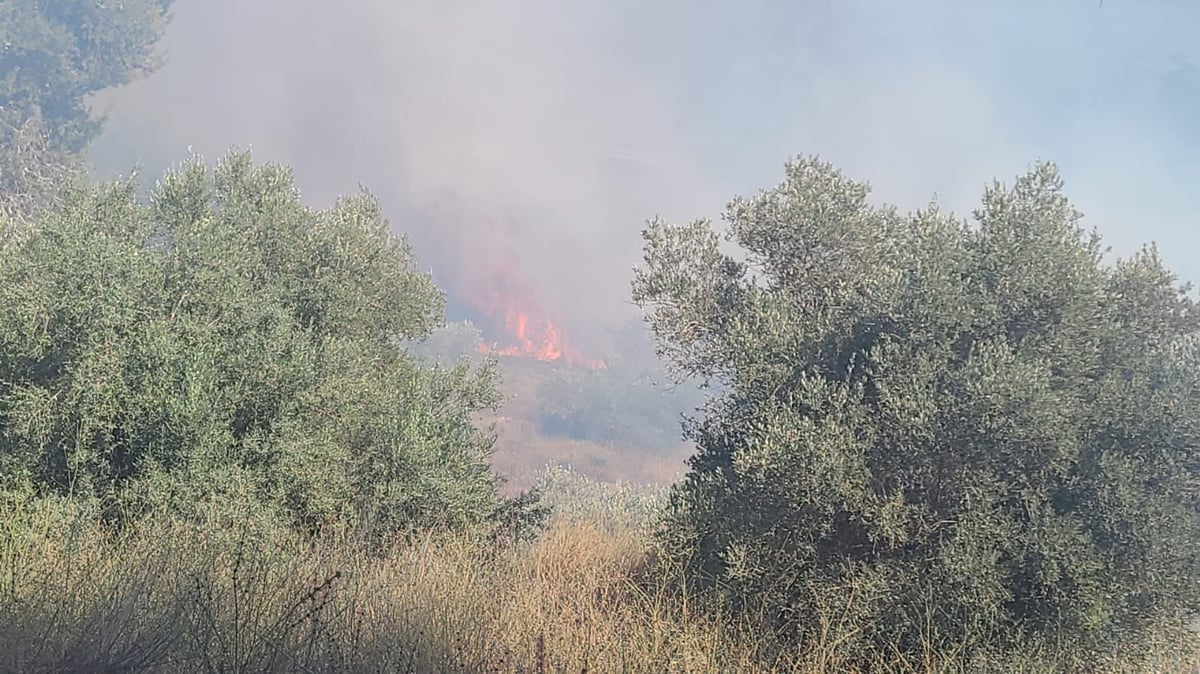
(553, 129)
(936, 96)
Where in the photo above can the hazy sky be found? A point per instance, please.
(544, 132)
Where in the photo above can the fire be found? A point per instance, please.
(530, 333)
(539, 339)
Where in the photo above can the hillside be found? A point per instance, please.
(612, 419)
(524, 446)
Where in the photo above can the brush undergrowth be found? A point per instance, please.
(229, 594)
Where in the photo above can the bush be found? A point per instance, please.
(628, 404)
(224, 344)
(573, 496)
(449, 344)
(55, 54)
(971, 437)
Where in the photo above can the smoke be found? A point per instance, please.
(532, 138)
(497, 134)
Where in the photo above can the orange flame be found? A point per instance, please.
(538, 338)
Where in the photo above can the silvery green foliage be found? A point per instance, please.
(575, 497)
(225, 342)
(976, 434)
(33, 174)
(54, 54)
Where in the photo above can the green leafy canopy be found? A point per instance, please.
(974, 434)
(224, 342)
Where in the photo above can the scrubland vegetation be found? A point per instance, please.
(224, 595)
(926, 444)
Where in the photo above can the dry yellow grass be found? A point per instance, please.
(234, 597)
(216, 598)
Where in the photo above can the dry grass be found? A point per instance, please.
(234, 597)
(180, 598)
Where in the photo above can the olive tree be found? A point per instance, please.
(977, 434)
(54, 54)
(222, 340)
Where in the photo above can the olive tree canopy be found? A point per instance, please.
(977, 434)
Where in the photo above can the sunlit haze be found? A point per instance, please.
(521, 145)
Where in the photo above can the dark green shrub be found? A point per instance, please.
(967, 435)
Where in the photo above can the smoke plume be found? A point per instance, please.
(521, 144)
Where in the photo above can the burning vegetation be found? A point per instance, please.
(511, 307)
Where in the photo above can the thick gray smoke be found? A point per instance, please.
(531, 138)
(512, 138)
